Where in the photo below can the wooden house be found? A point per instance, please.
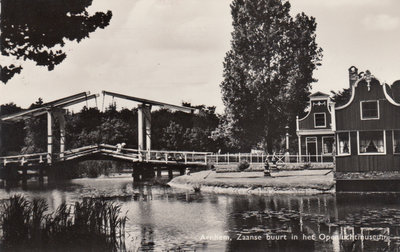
(367, 134)
(315, 131)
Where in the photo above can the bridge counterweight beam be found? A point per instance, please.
(49, 137)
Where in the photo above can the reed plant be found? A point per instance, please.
(92, 224)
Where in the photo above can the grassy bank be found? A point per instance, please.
(302, 181)
(93, 224)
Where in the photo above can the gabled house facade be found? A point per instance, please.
(368, 136)
(361, 137)
(315, 131)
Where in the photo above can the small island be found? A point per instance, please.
(291, 181)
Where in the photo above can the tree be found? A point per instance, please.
(172, 136)
(35, 132)
(341, 97)
(267, 72)
(37, 30)
(11, 134)
(395, 90)
(172, 130)
(114, 131)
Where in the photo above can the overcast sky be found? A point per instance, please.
(172, 50)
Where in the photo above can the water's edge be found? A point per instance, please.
(250, 190)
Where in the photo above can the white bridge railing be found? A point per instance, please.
(184, 157)
(163, 156)
(134, 155)
(24, 159)
(156, 156)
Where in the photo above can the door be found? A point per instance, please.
(311, 149)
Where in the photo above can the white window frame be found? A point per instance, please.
(322, 145)
(338, 142)
(316, 145)
(315, 124)
(373, 153)
(394, 152)
(361, 110)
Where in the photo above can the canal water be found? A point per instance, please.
(163, 218)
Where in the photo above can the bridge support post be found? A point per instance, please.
(41, 180)
(61, 119)
(158, 171)
(140, 129)
(6, 176)
(170, 173)
(2, 175)
(136, 177)
(10, 175)
(49, 137)
(147, 117)
(136, 173)
(24, 177)
(1, 137)
(144, 122)
(148, 172)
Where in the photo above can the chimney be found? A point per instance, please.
(353, 75)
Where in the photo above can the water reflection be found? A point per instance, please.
(343, 222)
(145, 213)
(285, 221)
(161, 218)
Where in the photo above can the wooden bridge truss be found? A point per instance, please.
(144, 153)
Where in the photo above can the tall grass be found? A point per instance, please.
(93, 224)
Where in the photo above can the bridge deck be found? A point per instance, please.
(112, 152)
(105, 151)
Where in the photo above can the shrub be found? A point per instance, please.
(307, 166)
(243, 165)
(93, 172)
(197, 187)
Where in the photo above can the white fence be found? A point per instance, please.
(229, 158)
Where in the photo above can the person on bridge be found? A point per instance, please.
(120, 146)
